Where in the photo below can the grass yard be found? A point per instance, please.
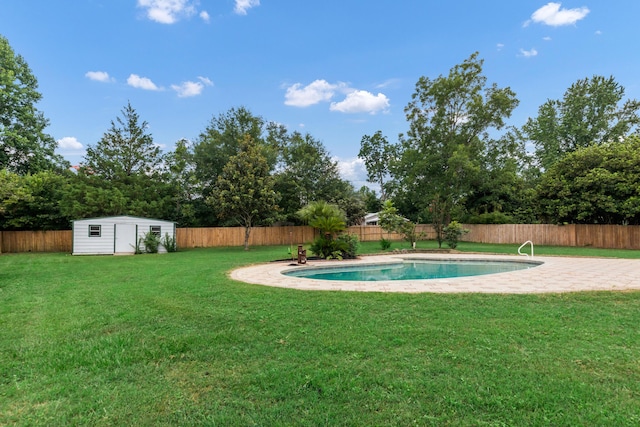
(171, 340)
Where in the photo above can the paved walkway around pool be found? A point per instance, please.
(556, 274)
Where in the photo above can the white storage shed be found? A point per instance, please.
(117, 235)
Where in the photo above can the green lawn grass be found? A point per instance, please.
(171, 340)
(511, 249)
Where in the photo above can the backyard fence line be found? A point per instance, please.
(597, 236)
(36, 241)
(207, 237)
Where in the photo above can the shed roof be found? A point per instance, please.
(118, 218)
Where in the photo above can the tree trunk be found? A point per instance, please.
(247, 232)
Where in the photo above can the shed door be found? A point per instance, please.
(125, 238)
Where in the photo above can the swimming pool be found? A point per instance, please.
(411, 269)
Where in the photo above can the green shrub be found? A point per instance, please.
(385, 244)
(169, 243)
(352, 242)
(343, 246)
(151, 242)
(452, 233)
(327, 247)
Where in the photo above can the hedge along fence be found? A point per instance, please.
(598, 236)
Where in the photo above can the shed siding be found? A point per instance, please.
(105, 244)
(83, 244)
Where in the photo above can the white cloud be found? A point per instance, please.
(500, 46)
(361, 101)
(204, 16)
(188, 88)
(136, 81)
(167, 11)
(389, 83)
(69, 143)
(243, 5)
(354, 171)
(99, 76)
(547, 39)
(551, 14)
(205, 80)
(598, 33)
(313, 93)
(528, 53)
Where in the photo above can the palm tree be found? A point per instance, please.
(327, 218)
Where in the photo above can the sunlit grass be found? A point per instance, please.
(171, 340)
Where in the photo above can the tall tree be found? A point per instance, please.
(449, 119)
(221, 140)
(124, 174)
(307, 173)
(590, 113)
(244, 190)
(24, 145)
(125, 150)
(502, 192)
(377, 154)
(180, 175)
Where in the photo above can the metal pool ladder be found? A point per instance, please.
(523, 245)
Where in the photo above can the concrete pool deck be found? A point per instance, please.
(556, 274)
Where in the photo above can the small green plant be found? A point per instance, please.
(392, 222)
(453, 232)
(151, 242)
(169, 243)
(137, 249)
(351, 244)
(385, 244)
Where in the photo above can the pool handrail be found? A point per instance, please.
(523, 245)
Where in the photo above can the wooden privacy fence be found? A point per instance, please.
(598, 236)
(234, 236)
(36, 241)
(579, 235)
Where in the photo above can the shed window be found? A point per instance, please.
(95, 230)
(155, 229)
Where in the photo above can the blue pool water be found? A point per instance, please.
(411, 269)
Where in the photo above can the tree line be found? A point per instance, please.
(577, 161)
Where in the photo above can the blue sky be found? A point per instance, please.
(335, 69)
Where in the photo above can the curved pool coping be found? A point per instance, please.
(555, 274)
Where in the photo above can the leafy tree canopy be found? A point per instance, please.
(377, 154)
(125, 150)
(594, 185)
(591, 112)
(221, 140)
(307, 173)
(440, 159)
(24, 145)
